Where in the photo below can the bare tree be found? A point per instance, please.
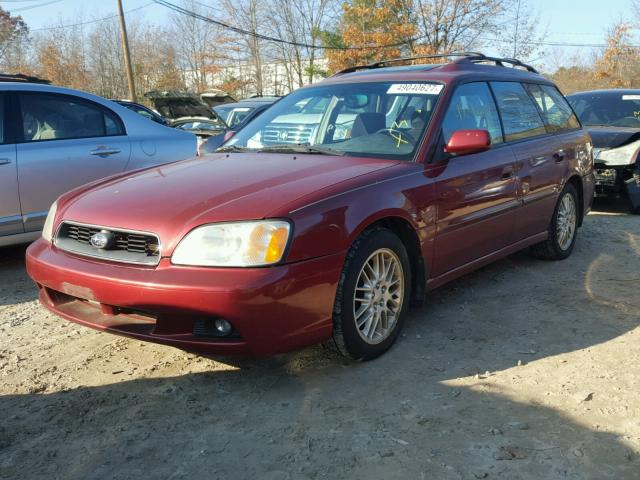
(250, 16)
(301, 22)
(450, 25)
(521, 33)
(200, 46)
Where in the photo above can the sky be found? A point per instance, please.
(565, 21)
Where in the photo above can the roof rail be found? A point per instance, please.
(501, 61)
(473, 57)
(19, 77)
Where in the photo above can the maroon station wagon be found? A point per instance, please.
(328, 215)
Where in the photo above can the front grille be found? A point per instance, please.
(124, 246)
(283, 133)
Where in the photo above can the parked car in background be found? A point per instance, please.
(55, 139)
(214, 97)
(612, 117)
(186, 111)
(410, 177)
(144, 111)
(236, 115)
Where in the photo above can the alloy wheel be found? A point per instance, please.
(378, 296)
(566, 221)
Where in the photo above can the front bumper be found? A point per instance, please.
(273, 309)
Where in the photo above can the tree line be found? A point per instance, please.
(308, 39)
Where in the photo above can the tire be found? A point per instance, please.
(363, 307)
(557, 246)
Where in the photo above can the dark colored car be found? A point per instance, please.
(237, 116)
(186, 111)
(612, 117)
(144, 111)
(413, 176)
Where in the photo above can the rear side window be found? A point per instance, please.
(555, 110)
(472, 108)
(58, 117)
(520, 116)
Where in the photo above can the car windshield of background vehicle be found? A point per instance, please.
(385, 120)
(611, 109)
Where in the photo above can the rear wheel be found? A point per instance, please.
(563, 228)
(372, 296)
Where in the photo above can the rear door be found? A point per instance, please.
(66, 141)
(542, 157)
(478, 202)
(10, 215)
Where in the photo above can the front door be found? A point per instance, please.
(477, 193)
(66, 142)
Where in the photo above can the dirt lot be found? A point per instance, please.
(523, 370)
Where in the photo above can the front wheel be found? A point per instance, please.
(563, 228)
(372, 296)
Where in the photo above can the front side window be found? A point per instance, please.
(555, 110)
(520, 116)
(58, 117)
(472, 108)
(381, 119)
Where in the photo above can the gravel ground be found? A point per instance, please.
(523, 370)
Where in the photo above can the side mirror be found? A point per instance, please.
(464, 142)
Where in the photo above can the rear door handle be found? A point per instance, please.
(105, 151)
(4, 161)
(559, 156)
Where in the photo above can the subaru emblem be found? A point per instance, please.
(101, 240)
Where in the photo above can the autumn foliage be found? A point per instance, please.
(366, 27)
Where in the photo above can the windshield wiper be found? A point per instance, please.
(232, 148)
(299, 148)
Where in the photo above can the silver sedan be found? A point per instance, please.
(54, 139)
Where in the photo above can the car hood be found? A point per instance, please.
(612, 137)
(172, 199)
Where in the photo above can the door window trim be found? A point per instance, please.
(19, 138)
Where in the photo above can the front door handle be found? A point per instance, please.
(559, 156)
(507, 173)
(105, 151)
(4, 161)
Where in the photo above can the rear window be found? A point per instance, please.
(520, 116)
(555, 110)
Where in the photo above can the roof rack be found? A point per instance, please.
(19, 77)
(473, 57)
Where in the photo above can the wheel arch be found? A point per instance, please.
(576, 181)
(408, 235)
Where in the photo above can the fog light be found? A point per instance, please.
(223, 327)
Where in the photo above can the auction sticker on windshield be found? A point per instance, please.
(630, 97)
(414, 89)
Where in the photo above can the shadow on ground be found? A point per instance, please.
(310, 415)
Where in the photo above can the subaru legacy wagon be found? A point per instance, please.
(406, 177)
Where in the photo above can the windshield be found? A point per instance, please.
(382, 119)
(615, 109)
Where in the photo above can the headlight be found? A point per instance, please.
(625, 155)
(47, 231)
(239, 244)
